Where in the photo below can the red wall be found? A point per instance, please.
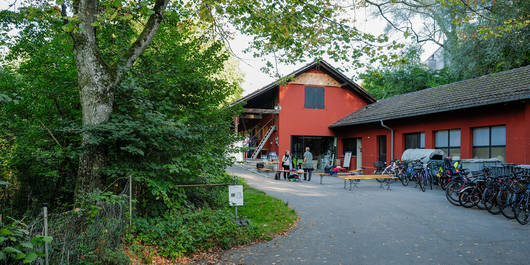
(294, 119)
(516, 117)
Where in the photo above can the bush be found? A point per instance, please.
(193, 231)
(16, 246)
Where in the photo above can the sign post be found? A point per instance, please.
(235, 197)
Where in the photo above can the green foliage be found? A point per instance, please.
(191, 231)
(477, 37)
(16, 246)
(171, 121)
(408, 76)
(494, 43)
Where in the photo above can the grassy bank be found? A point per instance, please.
(195, 234)
(270, 215)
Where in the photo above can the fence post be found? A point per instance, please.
(130, 201)
(235, 183)
(45, 213)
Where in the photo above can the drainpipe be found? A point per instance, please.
(391, 139)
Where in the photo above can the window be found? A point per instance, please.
(449, 141)
(489, 142)
(314, 97)
(414, 140)
(350, 145)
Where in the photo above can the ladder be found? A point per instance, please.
(263, 141)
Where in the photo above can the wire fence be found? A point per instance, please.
(83, 234)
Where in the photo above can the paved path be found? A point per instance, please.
(374, 226)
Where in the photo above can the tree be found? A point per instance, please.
(109, 36)
(477, 37)
(409, 76)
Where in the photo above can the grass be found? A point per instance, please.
(270, 215)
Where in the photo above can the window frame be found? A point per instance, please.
(448, 147)
(490, 146)
(307, 102)
(419, 139)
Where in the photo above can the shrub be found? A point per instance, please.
(16, 246)
(192, 231)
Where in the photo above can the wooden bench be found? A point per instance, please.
(353, 178)
(340, 173)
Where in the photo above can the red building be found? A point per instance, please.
(298, 113)
(319, 107)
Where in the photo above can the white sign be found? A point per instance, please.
(235, 195)
(347, 158)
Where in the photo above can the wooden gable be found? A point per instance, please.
(315, 78)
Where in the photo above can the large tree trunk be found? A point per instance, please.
(97, 83)
(97, 96)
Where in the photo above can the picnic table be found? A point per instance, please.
(353, 179)
(343, 172)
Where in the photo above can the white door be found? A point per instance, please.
(359, 153)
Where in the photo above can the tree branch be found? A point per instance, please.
(141, 43)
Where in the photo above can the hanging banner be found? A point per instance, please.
(235, 195)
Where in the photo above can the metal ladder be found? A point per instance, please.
(263, 141)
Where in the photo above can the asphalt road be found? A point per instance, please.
(370, 225)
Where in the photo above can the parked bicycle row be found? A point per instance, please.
(498, 189)
(508, 194)
(425, 175)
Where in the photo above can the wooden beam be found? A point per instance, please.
(261, 111)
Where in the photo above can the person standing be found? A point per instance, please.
(286, 164)
(308, 164)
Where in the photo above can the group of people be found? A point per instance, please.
(289, 164)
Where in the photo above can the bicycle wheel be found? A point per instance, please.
(421, 180)
(477, 198)
(443, 182)
(490, 202)
(404, 179)
(452, 191)
(504, 200)
(431, 180)
(465, 198)
(387, 170)
(521, 210)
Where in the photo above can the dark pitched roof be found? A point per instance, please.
(494, 88)
(321, 65)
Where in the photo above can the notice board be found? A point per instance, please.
(235, 195)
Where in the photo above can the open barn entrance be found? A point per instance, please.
(323, 148)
